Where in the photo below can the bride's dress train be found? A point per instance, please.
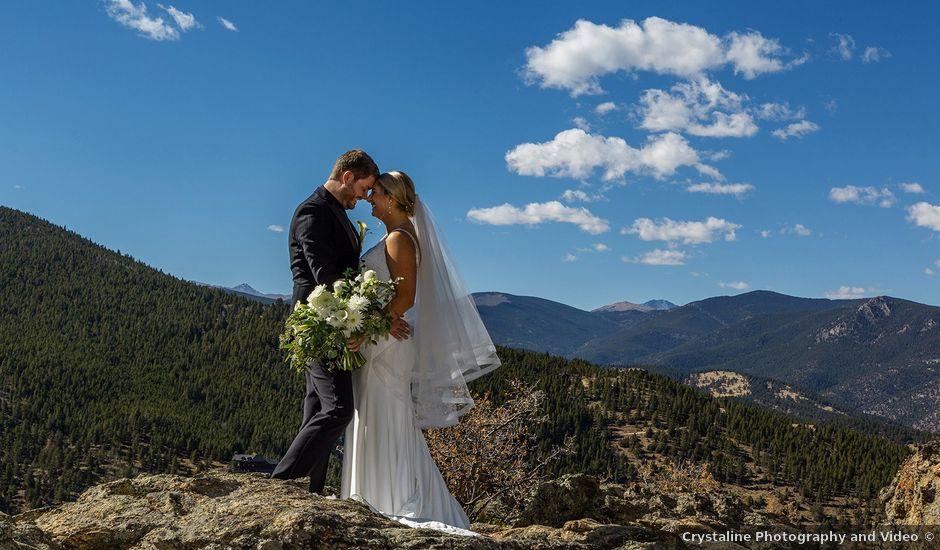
(386, 462)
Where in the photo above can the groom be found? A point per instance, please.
(323, 244)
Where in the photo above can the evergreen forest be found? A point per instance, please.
(110, 368)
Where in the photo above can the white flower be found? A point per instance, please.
(338, 286)
(322, 302)
(322, 312)
(316, 294)
(353, 322)
(358, 302)
(338, 319)
(369, 275)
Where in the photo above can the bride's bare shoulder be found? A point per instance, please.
(402, 242)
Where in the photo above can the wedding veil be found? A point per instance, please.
(453, 346)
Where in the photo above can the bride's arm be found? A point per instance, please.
(402, 262)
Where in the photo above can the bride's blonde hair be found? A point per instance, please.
(400, 187)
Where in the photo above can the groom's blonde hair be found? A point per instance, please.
(400, 187)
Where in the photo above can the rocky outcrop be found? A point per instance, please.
(721, 383)
(911, 499)
(23, 535)
(862, 325)
(559, 502)
(221, 510)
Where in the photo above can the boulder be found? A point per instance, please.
(23, 535)
(911, 499)
(561, 500)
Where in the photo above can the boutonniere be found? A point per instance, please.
(363, 229)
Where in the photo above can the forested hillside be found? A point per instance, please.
(622, 417)
(109, 368)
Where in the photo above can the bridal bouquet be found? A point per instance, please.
(318, 329)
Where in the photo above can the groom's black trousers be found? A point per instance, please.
(328, 408)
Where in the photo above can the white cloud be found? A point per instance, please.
(575, 153)
(688, 232)
(662, 257)
(802, 230)
(693, 107)
(925, 215)
(582, 123)
(578, 57)
(569, 258)
(779, 111)
(765, 234)
(596, 247)
(664, 154)
(135, 17)
(736, 189)
(276, 228)
(605, 108)
(845, 47)
(912, 188)
(862, 195)
(846, 293)
(18, 187)
(185, 21)
(752, 54)
(831, 105)
(928, 271)
(715, 156)
(709, 171)
(937, 263)
(536, 213)
(798, 229)
(737, 285)
(575, 195)
(227, 24)
(874, 54)
(797, 129)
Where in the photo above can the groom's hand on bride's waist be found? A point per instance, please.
(400, 330)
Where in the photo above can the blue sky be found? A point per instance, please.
(586, 152)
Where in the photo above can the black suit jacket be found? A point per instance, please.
(322, 242)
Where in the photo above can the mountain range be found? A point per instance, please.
(879, 355)
(109, 368)
(247, 291)
(644, 307)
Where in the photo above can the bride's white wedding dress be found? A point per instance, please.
(386, 462)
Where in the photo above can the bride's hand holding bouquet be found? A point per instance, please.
(323, 328)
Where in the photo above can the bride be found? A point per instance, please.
(407, 385)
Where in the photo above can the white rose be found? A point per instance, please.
(369, 275)
(321, 300)
(316, 294)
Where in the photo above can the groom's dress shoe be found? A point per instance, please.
(243, 463)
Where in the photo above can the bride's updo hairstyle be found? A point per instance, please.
(402, 190)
